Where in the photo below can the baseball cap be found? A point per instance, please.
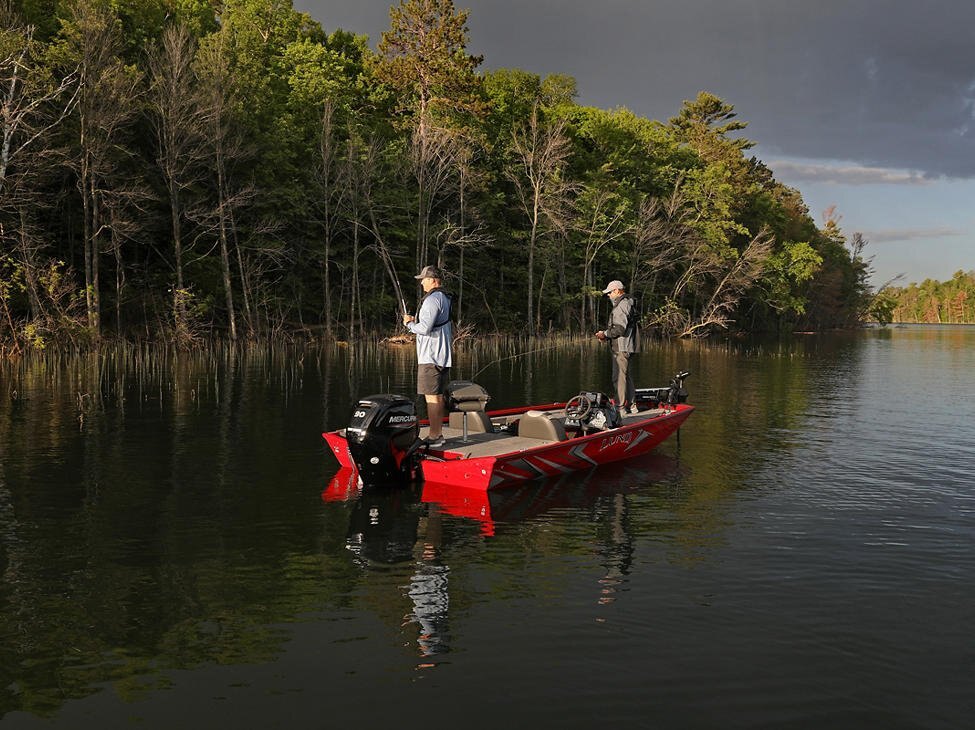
(429, 271)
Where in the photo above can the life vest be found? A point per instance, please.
(444, 318)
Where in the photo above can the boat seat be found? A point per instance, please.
(466, 399)
(476, 421)
(539, 425)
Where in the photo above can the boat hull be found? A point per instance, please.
(452, 467)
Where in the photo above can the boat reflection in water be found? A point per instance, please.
(400, 526)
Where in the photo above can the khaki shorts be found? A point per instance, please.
(431, 379)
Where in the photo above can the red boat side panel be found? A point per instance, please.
(554, 459)
(339, 447)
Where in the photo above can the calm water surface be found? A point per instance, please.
(175, 553)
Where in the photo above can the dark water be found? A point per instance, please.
(803, 557)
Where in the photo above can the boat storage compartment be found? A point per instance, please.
(539, 425)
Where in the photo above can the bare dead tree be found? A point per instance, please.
(602, 221)
(177, 118)
(33, 103)
(729, 289)
(539, 153)
(454, 235)
(28, 96)
(361, 165)
(469, 175)
(663, 227)
(433, 159)
(107, 88)
(332, 195)
(224, 149)
(125, 209)
(720, 283)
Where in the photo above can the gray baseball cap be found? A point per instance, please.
(429, 271)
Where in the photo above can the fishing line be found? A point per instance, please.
(512, 357)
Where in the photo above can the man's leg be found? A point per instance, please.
(630, 387)
(621, 376)
(435, 412)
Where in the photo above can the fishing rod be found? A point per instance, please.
(512, 357)
(387, 262)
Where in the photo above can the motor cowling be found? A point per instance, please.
(382, 436)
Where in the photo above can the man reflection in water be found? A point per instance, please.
(431, 599)
(387, 529)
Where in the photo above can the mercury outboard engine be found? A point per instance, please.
(382, 438)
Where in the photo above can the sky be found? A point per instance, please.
(867, 106)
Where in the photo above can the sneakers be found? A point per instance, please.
(434, 443)
(634, 409)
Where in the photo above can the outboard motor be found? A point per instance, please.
(382, 438)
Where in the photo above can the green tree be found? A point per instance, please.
(423, 57)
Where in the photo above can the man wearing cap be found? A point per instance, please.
(624, 336)
(433, 343)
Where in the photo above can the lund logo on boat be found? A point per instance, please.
(623, 438)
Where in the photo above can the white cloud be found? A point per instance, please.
(908, 234)
(840, 174)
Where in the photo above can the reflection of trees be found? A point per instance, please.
(152, 517)
(159, 511)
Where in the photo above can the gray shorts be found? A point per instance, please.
(431, 379)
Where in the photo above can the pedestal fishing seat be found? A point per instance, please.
(466, 401)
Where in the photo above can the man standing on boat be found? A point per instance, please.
(624, 336)
(433, 349)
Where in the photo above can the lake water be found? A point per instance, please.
(173, 552)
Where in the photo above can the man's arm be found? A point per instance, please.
(428, 315)
(619, 320)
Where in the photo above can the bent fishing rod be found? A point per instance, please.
(388, 263)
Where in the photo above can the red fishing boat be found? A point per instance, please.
(484, 450)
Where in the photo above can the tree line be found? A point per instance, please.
(931, 302)
(185, 169)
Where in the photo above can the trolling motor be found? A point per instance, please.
(383, 436)
(671, 395)
(676, 393)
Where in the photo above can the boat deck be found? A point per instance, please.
(480, 444)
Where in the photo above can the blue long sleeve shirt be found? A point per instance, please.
(432, 341)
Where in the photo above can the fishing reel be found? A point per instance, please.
(590, 411)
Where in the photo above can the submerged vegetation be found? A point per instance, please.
(176, 170)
